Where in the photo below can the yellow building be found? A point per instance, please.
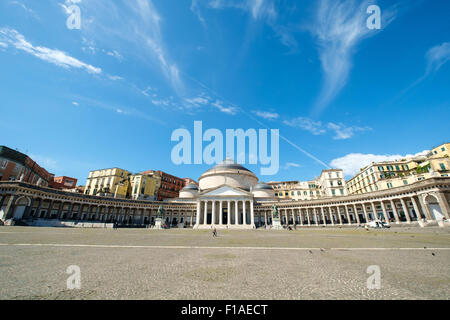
(331, 183)
(441, 151)
(392, 174)
(113, 182)
(145, 186)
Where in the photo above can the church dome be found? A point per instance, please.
(229, 173)
(189, 191)
(263, 190)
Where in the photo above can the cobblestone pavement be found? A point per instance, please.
(325, 264)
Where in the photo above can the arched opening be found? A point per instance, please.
(434, 207)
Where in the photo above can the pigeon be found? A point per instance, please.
(310, 251)
(322, 250)
(433, 254)
(424, 247)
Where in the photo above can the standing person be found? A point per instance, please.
(214, 232)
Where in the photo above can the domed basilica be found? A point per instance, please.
(225, 196)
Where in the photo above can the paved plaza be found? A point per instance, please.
(316, 263)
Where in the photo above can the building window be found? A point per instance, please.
(4, 163)
(442, 166)
(405, 182)
(443, 149)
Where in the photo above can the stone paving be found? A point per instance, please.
(313, 263)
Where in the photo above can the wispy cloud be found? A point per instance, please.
(54, 56)
(257, 8)
(225, 108)
(24, 7)
(266, 115)
(341, 131)
(289, 165)
(435, 58)
(314, 127)
(137, 26)
(353, 162)
(338, 28)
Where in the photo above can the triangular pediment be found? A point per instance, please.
(226, 191)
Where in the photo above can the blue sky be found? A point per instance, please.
(112, 93)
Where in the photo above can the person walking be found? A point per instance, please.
(214, 232)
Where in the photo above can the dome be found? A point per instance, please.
(228, 164)
(263, 190)
(228, 173)
(190, 186)
(262, 186)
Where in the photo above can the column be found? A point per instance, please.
(307, 216)
(348, 214)
(323, 216)
(416, 208)
(229, 213)
(394, 210)
(286, 216)
(300, 213)
(213, 214)
(199, 209)
(356, 214)
(405, 210)
(49, 210)
(426, 211)
(220, 213)
(331, 216)
(252, 214)
(236, 214)
(374, 210)
(339, 215)
(265, 218)
(365, 212)
(244, 213)
(27, 211)
(205, 213)
(9, 209)
(315, 216)
(38, 209)
(293, 217)
(383, 207)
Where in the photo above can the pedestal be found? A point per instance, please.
(276, 224)
(159, 222)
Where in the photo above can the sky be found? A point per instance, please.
(111, 93)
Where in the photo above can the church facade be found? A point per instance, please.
(228, 196)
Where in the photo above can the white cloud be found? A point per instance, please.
(53, 56)
(353, 162)
(266, 115)
(291, 165)
(75, 103)
(435, 58)
(136, 23)
(197, 101)
(3, 45)
(114, 54)
(115, 78)
(257, 8)
(314, 127)
(24, 7)
(225, 109)
(338, 28)
(341, 131)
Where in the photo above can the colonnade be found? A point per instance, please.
(225, 213)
